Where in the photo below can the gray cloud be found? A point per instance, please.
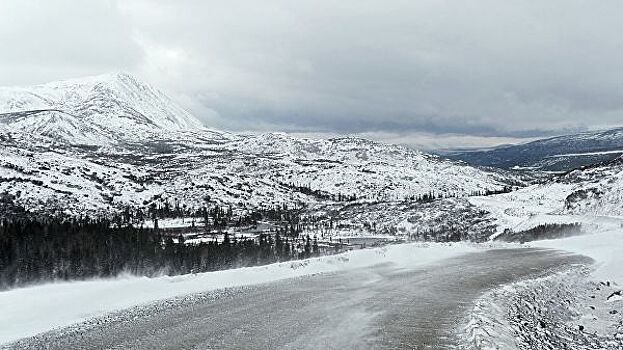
(515, 68)
(56, 39)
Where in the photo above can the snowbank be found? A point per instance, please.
(605, 247)
(29, 311)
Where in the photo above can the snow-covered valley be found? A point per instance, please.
(111, 146)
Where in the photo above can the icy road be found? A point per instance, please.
(380, 307)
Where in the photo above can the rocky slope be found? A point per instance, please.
(600, 189)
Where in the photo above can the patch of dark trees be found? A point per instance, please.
(35, 250)
(9, 209)
(544, 231)
(321, 195)
(444, 234)
(213, 217)
(432, 196)
(21, 179)
(422, 198)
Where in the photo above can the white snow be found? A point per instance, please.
(29, 311)
(540, 204)
(585, 154)
(148, 146)
(101, 99)
(257, 170)
(528, 207)
(232, 175)
(598, 212)
(605, 246)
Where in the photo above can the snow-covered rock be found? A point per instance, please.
(92, 110)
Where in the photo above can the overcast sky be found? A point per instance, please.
(431, 73)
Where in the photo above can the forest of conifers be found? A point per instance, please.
(35, 250)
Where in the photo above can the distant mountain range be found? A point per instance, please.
(102, 143)
(561, 153)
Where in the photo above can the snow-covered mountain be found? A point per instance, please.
(105, 142)
(591, 196)
(560, 153)
(96, 110)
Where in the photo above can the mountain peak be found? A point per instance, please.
(116, 103)
(84, 81)
(118, 77)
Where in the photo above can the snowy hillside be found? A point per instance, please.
(79, 178)
(601, 192)
(579, 196)
(560, 153)
(105, 142)
(93, 110)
